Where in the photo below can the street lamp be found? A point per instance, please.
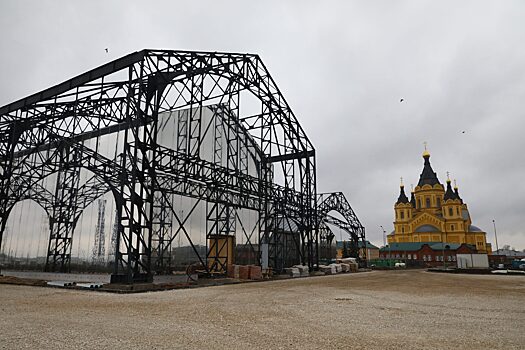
(384, 235)
(445, 248)
(495, 235)
(389, 254)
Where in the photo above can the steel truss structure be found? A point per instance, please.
(336, 201)
(235, 146)
(99, 248)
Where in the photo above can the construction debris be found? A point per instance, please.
(304, 271)
(328, 270)
(90, 285)
(292, 272)
(245, 272)
(255, 272)
(60, 283)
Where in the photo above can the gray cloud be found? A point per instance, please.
(343, 66)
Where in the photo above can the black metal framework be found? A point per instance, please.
(336, 201)
(236, 147)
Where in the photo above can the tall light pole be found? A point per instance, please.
(443, 247)
(384, 242)
(495, 234)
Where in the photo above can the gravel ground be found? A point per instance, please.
(374, 310)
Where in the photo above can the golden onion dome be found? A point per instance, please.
(426, 153)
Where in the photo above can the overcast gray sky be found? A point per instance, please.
(343, 66)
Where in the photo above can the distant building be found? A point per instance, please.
(505, 257)
(366, 250)
(510, 253)
(435, 214)
(426, 254)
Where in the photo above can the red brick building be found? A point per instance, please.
(428, 254)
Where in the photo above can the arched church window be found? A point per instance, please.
(439, 202)
(428, 202)
(450, 212)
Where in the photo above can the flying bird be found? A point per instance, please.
(463, 132)
(107, 50)
(401, 100)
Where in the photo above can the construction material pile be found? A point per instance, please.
(245, 272)
(341, 266)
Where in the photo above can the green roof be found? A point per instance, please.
(415, 246)
(405, 246)
(441, 246)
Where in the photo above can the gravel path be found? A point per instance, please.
(375, 310)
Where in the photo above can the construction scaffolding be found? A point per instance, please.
(176, 137)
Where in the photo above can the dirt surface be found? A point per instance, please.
(373, 310)
(22, 281)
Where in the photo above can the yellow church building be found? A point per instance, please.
(435, 214)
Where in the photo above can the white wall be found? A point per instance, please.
(466, 261)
